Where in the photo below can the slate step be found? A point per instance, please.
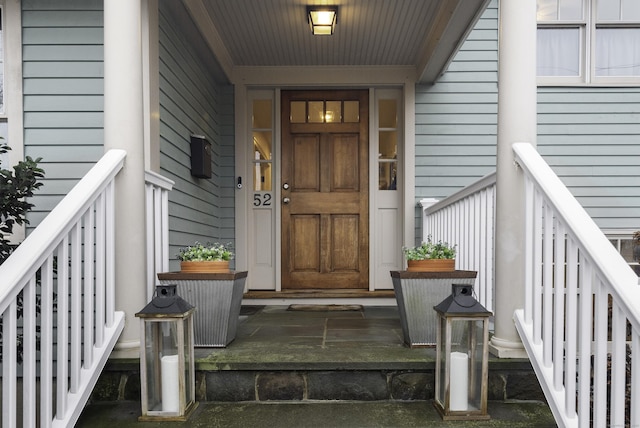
(324, 414)
(313, 358)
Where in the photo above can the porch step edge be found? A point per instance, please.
(508, 380)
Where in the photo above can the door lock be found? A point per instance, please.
(285, 186)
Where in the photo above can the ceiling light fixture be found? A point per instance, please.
(322, 19)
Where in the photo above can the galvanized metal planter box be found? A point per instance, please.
(416, 294)
(217, 298)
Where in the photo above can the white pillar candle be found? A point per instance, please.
(459, 382)
(170, 383)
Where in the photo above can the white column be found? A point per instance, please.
(123, 129)
(516, 123)
(13, 93)
(151, 84)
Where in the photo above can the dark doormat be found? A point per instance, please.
(250, 309)
(324, 308)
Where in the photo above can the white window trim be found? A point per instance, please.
(587, 55)
(13, 77)
(12, 32)
(278, 78)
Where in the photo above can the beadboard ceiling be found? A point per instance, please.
(373, 33)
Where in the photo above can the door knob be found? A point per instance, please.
(286, 200)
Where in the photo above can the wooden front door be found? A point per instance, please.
(325, 190)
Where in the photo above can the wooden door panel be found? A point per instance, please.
(344, 243)
(344, 163)
(306, 169)
(311, 202)
(325, 203)
(305, 243)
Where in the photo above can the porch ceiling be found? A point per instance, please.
(371, 33)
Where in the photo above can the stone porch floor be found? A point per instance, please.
(316, 367)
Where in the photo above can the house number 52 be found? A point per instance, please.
(262, 199)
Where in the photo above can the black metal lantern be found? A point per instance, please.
(462, 356)
(167, 374)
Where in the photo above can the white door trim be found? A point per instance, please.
(273, 79)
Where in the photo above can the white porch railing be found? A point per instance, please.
(581, 320)
(581, 348)
(60, 282)
(157, 190)
(467, 219)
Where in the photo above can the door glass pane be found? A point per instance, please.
(316, 111)
(388, 145)
(262, 177)
(387, 172)
(388, 114)
(558, 52)
(262, 144)
(387, 160)
(262, 114)
(352, 111)
(298, 112)
(618, 52)
(334, 112)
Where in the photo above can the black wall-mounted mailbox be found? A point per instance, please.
(200, 157)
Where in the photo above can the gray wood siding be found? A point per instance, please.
(63, 93)
(191, 102)
(456, 118)
(63, 114)
(591, 138)
(589, 135)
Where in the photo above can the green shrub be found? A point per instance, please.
(15, 186)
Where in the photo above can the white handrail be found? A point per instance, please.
(571, 270)
(76, 236)
(467, 219)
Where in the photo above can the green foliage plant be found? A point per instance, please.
(209, 252)
(430, 250)
(16, 185)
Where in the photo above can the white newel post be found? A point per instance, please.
(123, 129)
(517, 98)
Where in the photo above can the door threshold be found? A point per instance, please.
(319, 293)
(318, 297)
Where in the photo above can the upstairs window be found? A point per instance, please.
(588, 41)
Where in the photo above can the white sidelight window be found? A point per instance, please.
(386, 188)
(588, 41)
(261, 183)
